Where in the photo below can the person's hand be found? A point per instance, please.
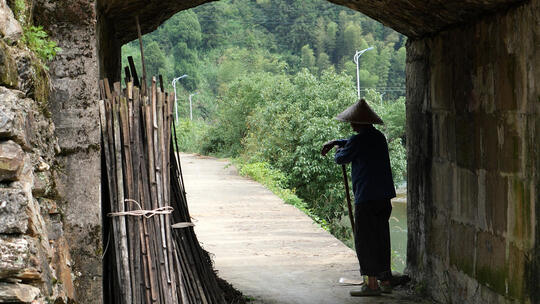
(327, 147)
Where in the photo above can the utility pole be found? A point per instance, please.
(356, 60)
(190, 107)
(175, 100)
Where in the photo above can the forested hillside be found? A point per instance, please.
(217, 42)
(270, 76)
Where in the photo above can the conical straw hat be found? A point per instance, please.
(360, 113)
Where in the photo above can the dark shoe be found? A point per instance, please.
(365, 291)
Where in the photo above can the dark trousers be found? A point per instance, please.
(372, 238)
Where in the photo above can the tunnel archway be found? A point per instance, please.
(473, 70)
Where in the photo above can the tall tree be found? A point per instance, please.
(319, 39)
(396, 73)
(186, 62)
(382, 65)
(184, 27)
(154, 59)
(351, 40)
(330, 43)
(323, 62)
(308, 59)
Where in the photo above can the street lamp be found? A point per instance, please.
(190, 107)
(174, 86)
(356, 57)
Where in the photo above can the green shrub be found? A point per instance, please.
(190, 134)
(38, 41)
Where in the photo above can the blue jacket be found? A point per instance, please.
(371, 172)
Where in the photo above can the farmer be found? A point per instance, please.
(373, 188)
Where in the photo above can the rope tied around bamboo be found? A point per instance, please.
(141, 212)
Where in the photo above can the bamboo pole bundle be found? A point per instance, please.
(152, 254)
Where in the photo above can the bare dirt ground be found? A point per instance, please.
(270, 251)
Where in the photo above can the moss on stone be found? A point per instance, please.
(98, 251)
(522, 229)
(22, 10)
(493, 278)
(41, 87)
(465, 265)
(517, 273)
(516, 289)
(8, 67)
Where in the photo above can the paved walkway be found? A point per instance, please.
(270, 251)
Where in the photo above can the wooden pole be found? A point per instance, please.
(146, 202)
(133, 72)
(142, 51)
(140, 257)
(348, 195)
(124, 254)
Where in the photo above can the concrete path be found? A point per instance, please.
(270, 251)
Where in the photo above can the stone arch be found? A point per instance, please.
(473, 122)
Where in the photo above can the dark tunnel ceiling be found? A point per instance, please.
(413, 18)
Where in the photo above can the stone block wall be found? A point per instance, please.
(35, 264)
(35, 261)
(74, 74)
(473, 125)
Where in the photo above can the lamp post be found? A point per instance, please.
(356, 60)
(190, 107)
(174, 86)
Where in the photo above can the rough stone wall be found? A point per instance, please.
(473, 125)
(73, 104)
(35, 261)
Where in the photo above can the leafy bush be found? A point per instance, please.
(38, 41)
(190, 134)
(34, 37)
(233, 109)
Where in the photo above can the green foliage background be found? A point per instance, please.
(219, 41)
(271, 76)
(282, 122)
